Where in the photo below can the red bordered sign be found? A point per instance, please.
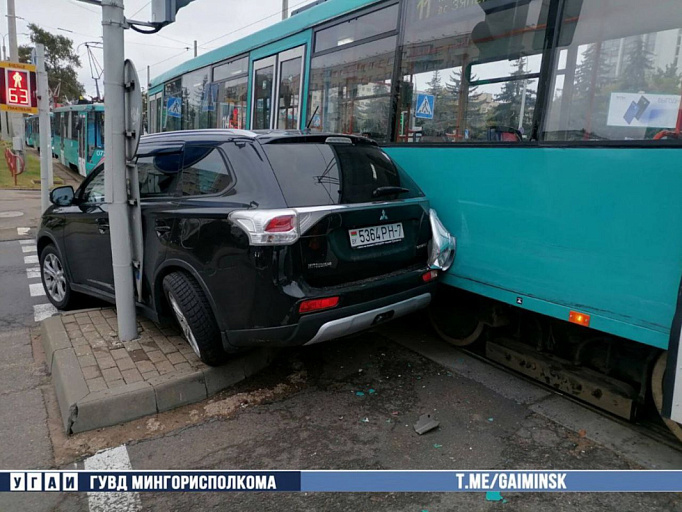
(18, 88)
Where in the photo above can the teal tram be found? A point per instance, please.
(31, 131)
(78, 139)
(545, 132)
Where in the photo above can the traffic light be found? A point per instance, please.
(163, 11)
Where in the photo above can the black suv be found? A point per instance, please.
(256, 239)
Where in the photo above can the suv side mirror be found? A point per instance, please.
(62, 196)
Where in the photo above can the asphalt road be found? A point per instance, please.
(305, 413)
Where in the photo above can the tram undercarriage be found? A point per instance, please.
(617, 375)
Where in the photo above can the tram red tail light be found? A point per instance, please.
(576, 317)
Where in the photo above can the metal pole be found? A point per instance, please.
(44, 122)
(12, 31)
(285, 9)
(113, 23)
(16, 120)
(195, 48)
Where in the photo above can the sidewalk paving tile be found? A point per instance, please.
(160, 368)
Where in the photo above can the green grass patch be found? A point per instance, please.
(29, 179)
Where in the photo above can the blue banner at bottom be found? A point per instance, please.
(341, 481)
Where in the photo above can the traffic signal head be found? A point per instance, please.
(164, 11)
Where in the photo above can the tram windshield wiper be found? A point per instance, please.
(388, 191)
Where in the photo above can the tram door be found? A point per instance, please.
(64, 130)
(277, 91)
(82, 128)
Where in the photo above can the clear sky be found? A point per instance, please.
(202, 20)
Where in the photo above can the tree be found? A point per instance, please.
(61, 62)
(593, 73)
(667, 81)
(638, 67)
(474, 102)
(591, 93)
(510, 101)
(372, 113)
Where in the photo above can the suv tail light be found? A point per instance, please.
(442, 246)
(268, 227)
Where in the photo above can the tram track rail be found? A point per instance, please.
(653, 428)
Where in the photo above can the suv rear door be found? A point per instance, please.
(361, 215)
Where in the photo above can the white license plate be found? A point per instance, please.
(376, 235)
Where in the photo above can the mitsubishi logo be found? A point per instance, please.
(383, 215)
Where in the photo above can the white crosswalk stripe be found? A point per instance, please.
(29, 248)
(31, 260)
(43, 311)
(23, 231)
(27, 242)
(37, 289)
(115, 459)
(33, 273)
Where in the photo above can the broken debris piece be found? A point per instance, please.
(425, 424)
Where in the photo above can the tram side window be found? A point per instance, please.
(57, 123)
(350, 89)
(470, 70)
(195, 90)
(618, 74)
(75, 125)
(231, 103)
(172, 106)
(350, 83)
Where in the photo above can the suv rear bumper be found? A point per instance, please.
(335, 323)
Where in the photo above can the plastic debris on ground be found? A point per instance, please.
(359, 393)
(494, 496)
(425, 424)
(437, 445)
(365, 420)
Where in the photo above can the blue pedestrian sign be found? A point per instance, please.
(174, 107)
(425, 103)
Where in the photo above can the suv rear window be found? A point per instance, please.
(314, 174)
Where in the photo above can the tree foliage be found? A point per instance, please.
(510, 101)
(61, 62)
(638, 67)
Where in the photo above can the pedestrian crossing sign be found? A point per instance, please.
(425, 104)
(174, 107)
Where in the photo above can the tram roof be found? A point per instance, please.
(297, 23)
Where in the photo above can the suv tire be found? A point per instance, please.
(55, 278)
(192, 312)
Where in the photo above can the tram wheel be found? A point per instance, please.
(457, 328)
(657, 391)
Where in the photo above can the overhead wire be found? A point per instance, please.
(203, 45)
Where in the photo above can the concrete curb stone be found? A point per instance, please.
(113, 406)
(173, 390)
(69, 384)
(83, 409)
(54, 338)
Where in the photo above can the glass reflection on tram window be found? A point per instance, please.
(619, 72)
(289, 94)
(469, 71)
(263, 98)
(231, 107)
(350, 89)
